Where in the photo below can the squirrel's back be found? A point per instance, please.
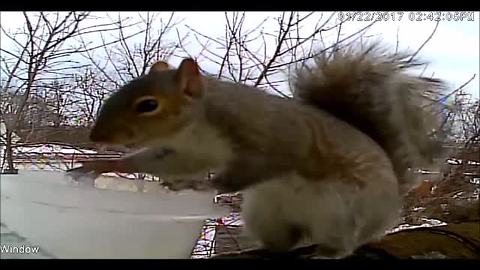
(371, 90)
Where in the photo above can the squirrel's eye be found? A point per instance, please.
(149, 105)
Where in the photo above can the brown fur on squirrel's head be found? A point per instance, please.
(153, 106)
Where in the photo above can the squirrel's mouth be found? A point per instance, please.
(138, 143)
(131, 145)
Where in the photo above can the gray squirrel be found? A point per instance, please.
(329, 166)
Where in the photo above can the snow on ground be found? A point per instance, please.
(53, 148)
(427, 223)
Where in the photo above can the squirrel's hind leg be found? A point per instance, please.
(265, 223)
(335, 215)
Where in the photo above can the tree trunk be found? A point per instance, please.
(9, 153)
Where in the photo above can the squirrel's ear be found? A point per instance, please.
(189, 78)
(159, 66)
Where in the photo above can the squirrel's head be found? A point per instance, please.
(151, 107)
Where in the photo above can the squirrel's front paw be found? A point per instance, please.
(92, 169)
(98, 166)
(82, 175)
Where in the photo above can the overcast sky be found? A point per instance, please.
(453, 51)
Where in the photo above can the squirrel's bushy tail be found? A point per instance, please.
(371, 90)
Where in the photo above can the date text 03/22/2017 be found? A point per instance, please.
(366, 16)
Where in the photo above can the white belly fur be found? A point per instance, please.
(332, 213)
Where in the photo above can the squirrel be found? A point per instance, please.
(329, 166)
